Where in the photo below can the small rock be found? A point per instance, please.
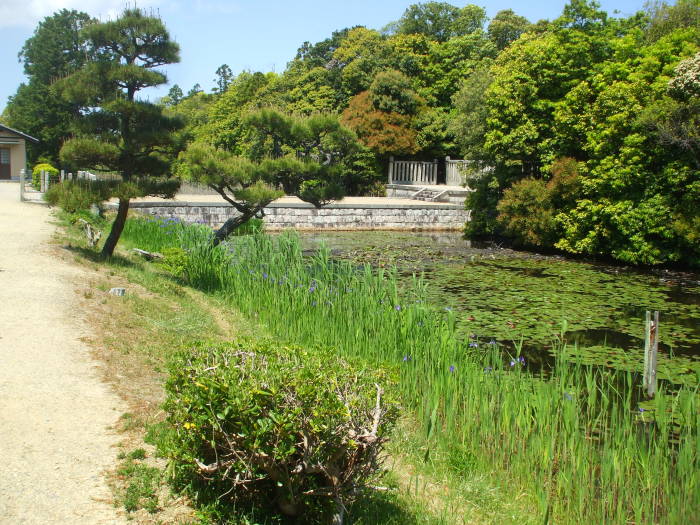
(118, 291)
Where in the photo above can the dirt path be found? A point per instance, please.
(54, 410)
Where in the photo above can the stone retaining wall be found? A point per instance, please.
(421, 216)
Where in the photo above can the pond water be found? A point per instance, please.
(530, 300)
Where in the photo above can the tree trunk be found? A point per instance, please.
(117, 227)
(230, 225)
(339, 515)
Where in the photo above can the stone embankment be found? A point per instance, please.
(350, 214)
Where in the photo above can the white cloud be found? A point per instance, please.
(26, 13)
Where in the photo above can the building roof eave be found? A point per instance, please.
(23, 135)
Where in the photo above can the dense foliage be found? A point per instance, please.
(618, 96)
(271, 423)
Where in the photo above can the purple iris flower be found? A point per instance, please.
(473, 344)
(406, 358)
(452, 369)
(397, 307)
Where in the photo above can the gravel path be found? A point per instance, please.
(54, 411)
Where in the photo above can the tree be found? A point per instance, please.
(239, 181)
(391, 91)
(383, 116)
(305, 156)
(174, 96)
(320, 54)
(223, 78)
(195, 89)
(56, 49)
(224, 122)
(506, 27)
(361, 54)
(664, 18)
(118, 132)
(440, 21)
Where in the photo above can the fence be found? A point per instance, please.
(412, 172)
(419, 172)
(454, 171)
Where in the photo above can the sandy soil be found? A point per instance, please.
(55, 413)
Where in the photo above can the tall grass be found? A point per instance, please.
(577, 440)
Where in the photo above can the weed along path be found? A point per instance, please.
(55, 413)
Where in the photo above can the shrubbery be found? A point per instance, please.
(73, 196)
(259, 422)
(528, 210)
(48, 168)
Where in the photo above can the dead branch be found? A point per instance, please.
(149, 256)
(93, 235)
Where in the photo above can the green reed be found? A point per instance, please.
(576, 441)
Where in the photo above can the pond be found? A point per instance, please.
(530, 301)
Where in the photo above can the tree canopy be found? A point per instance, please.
(586, 123)
(56, 49)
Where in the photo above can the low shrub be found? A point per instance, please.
(48, 168)
(175, 261)
(265, 423)
(73, 196)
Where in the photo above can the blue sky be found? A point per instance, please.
(260, 35)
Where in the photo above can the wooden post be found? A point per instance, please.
(22, 175)
(651, 348)
(391, 169)
(63, 176)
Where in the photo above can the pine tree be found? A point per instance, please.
(117, 132)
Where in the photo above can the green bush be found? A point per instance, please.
(526, 215)
(528, 209)
(73, 196)
(264, 423)
(175, 261)
(36, 174)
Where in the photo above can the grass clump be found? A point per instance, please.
(141, 483)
